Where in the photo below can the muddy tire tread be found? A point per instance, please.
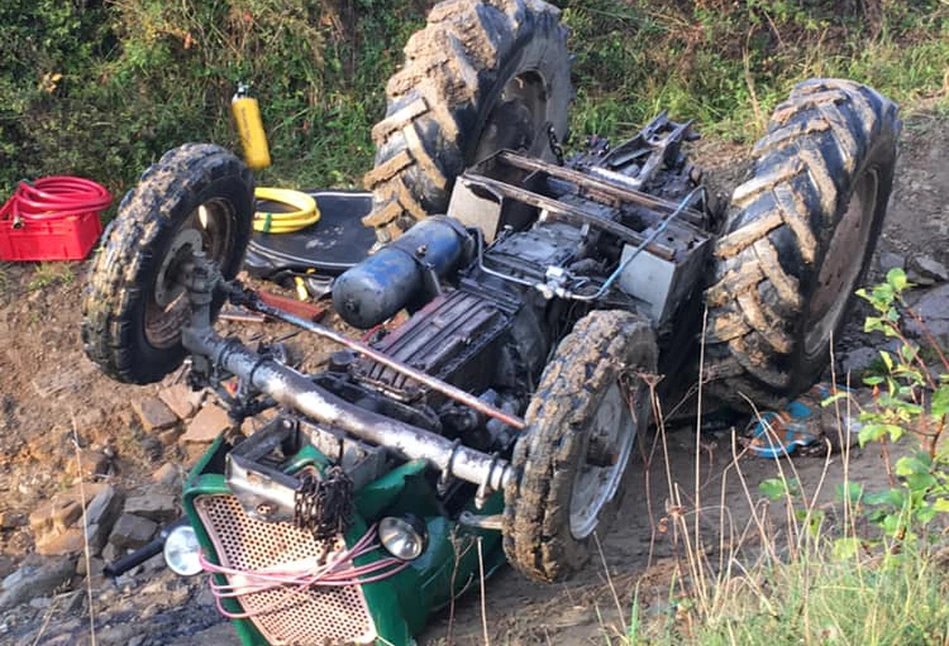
(450, 67)
(774, 236)
(537, 538)
(114, 290)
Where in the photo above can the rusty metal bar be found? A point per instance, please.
(583, 179)
(293, 389)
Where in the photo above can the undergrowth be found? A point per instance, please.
(103, 88)
(864, 566)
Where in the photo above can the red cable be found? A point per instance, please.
(56, 197)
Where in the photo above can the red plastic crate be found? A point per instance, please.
(67, 238)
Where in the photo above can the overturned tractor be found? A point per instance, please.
(546, 296)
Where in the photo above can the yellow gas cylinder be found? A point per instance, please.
(250, 127)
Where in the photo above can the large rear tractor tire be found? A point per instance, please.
(482, 76)
(571, 462)
(198, 197)
(797, 241)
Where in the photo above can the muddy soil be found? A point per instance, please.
(47, 388)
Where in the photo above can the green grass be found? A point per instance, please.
(729, 65)
(50, 274)
(824, 577)
(104, 90)
(817, 600)
(825, 601)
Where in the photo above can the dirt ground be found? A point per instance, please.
(47, 386)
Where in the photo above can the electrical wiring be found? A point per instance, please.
(299, 577)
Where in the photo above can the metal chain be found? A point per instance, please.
(555, 146)
(324, 505)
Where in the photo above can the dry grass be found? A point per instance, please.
(793, 571)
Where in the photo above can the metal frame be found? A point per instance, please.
(293, 389)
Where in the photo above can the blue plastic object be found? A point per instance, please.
(778, 433)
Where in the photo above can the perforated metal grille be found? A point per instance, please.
(319, 616)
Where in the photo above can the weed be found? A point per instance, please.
(110, 87)
(861, 571)
(50, 274)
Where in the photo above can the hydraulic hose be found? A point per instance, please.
(56, 197)
(304, 214)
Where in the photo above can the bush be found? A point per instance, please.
(102, 88)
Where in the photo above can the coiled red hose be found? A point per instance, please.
(56, 197)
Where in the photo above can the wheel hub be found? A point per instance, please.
(610, 443)
(167, 286)
(208, 229)
(517, 119)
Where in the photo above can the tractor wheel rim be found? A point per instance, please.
(595, 486)
(843, 261)
(517, 119)
(167, 310)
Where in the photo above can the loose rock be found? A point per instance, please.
(95, 564)
(182, 401)
(154, 505)
(933, 308)
(91, 463)
(888, 260)
(57, 525)
(69, 541)
(858, 359)
(929, 268)
(169, 474)
(154, 414)
(55, 516)
(38, 579)
(12, 519)
(104, 508)
(132, 532)
(207, 425)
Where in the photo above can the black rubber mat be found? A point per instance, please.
(329, 247)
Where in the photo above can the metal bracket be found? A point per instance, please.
(264, 492)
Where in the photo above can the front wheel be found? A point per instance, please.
(198, 197)
(571, 462)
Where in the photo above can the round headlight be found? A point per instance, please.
(404, 537)
(181, 551)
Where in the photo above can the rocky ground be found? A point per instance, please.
(79, 446)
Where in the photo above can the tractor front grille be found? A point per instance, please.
(321, 616)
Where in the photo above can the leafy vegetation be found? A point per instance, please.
(101, 88)
(870, 568)
(912, 399)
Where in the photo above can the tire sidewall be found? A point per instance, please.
(531, 54)
(577, 550)
(555, 445)
(806, 368)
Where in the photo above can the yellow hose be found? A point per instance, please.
(305, 213)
